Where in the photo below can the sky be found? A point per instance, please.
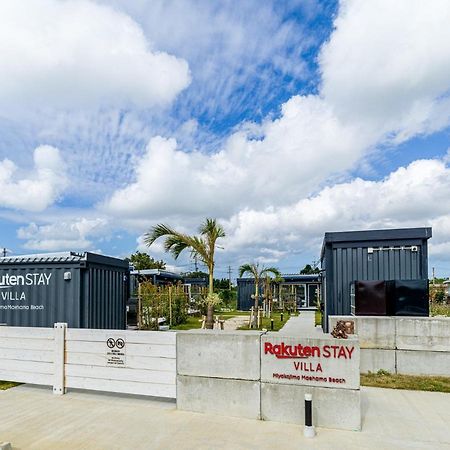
(283, 120)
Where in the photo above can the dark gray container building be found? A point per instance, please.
(350, 256)
(299, 289)
(84, 290)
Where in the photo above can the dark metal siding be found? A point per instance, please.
(353, 264)
(60, 298)
(106, 298)
(345, 262)
(245, 289)
(94, 297)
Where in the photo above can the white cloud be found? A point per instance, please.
(229, 46)
(286, 163)
(385, 78)
(37, 190)
(391, 86)
(416, 195)
(388, 64)
(57, 236)
(78, 53)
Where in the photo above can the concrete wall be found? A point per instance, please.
(228, 373)
(332, 408)
(405, 345)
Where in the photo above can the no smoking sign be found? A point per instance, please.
(115, 352)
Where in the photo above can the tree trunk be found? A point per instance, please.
(210, 308)
(209, 325)
(255, 316)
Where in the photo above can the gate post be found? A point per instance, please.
(60, 347)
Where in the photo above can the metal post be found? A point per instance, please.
(309, 430)
(271, 324)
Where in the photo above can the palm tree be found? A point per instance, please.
(202, 247)
(257, 272)
(268, 291)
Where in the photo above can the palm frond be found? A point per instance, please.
(211, 228)
(156, 232)
(272, 270)
(248, 268)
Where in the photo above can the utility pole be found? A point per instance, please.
(195, 263)
(433, 277)
(229, 278)
(5, 252)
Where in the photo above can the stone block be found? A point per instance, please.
(326, 361)
(417, 362)
(423, 333)
(372, 331)
(373, 360)
(332, 408)
(236, 398)
(221, 354)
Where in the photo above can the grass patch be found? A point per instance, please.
(317, 318)
(192, 322)
(195, 322)
(228, 314)
(277, 323)
(383, 379)
(7, 385)
(439, 309)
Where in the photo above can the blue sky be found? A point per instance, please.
(282, 119)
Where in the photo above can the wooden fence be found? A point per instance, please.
(131, 362)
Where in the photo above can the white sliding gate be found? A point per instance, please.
(132, 362)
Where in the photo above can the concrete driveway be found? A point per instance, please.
(34, 418)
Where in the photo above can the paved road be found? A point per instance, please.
(235, 322)
(34, 418)
(302, 325)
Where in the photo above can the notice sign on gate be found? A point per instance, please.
(115, 351)
(324, 362)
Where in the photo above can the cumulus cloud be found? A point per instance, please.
(286, 162)
(65, 235)
(400, 92)
(38, 189)
(385, 77)
(416, 195)
(78, 53)
(387, 64)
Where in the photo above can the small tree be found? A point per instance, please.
(141, 261)
(203, 247)
(309, 270)
(257, 272)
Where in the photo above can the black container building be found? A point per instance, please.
(299, 290)
(396, 259)
(84, 290)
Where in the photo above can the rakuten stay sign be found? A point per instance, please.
(325, 362)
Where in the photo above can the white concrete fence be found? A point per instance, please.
(131, 362)
(404, 345)
(265, 376)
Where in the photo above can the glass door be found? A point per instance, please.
(313, 294)
(300, 295)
